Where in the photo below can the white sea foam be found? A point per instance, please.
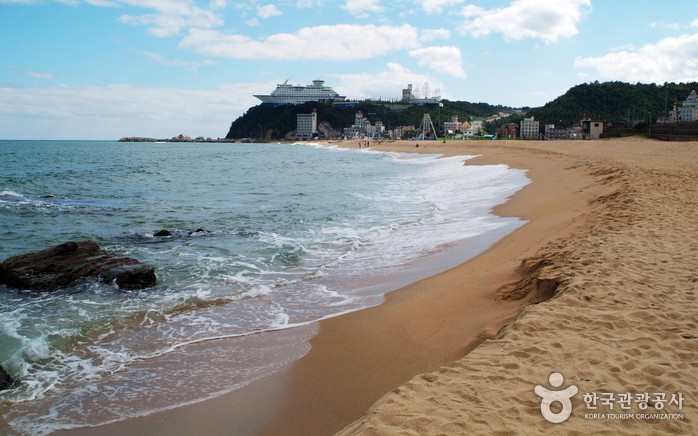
(310, 248)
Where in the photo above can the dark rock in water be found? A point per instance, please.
(64, 264)
(136, 276)
(162, 233)
(6, 381)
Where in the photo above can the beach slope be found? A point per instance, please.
(599, 286)
(621, 318)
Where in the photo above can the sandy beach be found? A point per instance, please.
(620, 270)
(599, 286)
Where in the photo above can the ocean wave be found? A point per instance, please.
(11, 196)
(263, 263)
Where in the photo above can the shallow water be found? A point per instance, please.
(265, 237)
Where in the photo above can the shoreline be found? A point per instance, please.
(424, 327)
(430, 323)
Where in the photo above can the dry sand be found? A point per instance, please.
(610, 254)
(623, 276)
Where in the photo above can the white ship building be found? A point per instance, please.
(297, 94)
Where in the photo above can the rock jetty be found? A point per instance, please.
(63, 265)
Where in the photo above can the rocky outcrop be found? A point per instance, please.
(6, 381)
(65, 264)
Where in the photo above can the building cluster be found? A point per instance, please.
(362, 128)
(465, 129)
(685, 113)
(528, 128)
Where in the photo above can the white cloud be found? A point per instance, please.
(304, 4)
(437, 6)
(669, 60)
(665, 25)
(309, 43)
(35, 74)
(694, 23)
(427, 35)
(363, 8)
(110, 112)
(541, 19)
(171, 16)
(268, 11)
(218, 4)
(103, 3)
(163, 60)
(445, 59)
(385, 84)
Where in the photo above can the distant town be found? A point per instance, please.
(673, 124)
(528, 128)
(182, 137)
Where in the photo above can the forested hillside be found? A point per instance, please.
(275, 122)
(613, 102)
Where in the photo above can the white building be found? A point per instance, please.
(529, 129)
(453, 126)
(477, 127)
(306, 125)
(358, 129)
(689, 109)
(408, 95)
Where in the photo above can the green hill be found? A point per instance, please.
(613, 102)
(275, 122)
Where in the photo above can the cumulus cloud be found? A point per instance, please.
(427, 35)
(308, 43)
(437, 6)
(218, 4)
(445, 59)
(303, 4)
(539, 19)
(669, 60)
(362, 8)
(110, 112)
(386, 84)
(103, 3)
(268, 11)
(171, 16)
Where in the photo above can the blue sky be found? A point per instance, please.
(103, 69)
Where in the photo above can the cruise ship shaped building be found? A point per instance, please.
(297, 94)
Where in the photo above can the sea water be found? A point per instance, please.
(266, 239)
